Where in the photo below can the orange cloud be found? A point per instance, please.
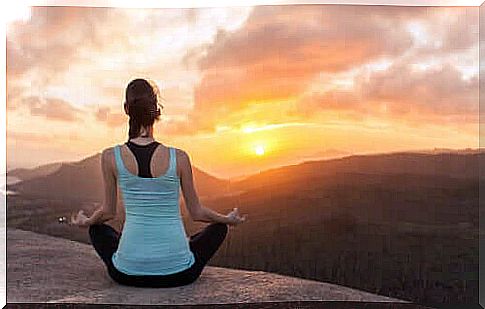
(282, 49)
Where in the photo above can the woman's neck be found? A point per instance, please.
(142, 141)
(142, 138)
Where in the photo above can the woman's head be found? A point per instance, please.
(142, 105)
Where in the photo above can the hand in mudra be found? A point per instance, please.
(79, 219)
(235, 218)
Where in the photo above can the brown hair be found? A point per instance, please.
(142, 101)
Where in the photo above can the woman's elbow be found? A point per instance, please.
(108, 215)
(196, 214)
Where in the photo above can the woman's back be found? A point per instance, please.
(153, 249)
(153, 241)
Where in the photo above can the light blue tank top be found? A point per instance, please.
(153, 241)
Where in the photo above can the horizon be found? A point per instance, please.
(243, 176)
(328, 81)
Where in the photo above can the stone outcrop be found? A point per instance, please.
(43, 268)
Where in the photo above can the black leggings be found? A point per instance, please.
(203, 245)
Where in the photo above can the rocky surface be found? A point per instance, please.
(43, 268)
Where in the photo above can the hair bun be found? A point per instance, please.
(142, 106)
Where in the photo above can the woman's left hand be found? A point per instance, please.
(80, 219)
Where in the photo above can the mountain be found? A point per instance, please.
(451, 164)
(413, 187)
(403, 224)
(83, 180)
(30, 173)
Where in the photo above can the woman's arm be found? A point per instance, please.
(195, 209)
(99, 216)
(107, 211)
(205, 214)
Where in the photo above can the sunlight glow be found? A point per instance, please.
(259, 150)
(251, 129)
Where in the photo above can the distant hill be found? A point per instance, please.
(415, 187)
(451, 164)
(30, 173)
(83, 180)
(396, 223)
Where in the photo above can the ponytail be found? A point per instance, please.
(134, 130)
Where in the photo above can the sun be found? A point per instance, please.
(259, 150)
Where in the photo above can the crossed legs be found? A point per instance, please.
(203, 244)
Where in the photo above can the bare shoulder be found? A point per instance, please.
(108, 157)
(108, 153)
(183, 162)
(182, 155)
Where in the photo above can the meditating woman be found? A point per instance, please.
(152, 250)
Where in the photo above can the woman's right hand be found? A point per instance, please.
(235, 218)
(80, 219)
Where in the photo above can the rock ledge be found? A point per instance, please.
(43, 268)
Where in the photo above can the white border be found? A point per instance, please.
(226, 3)
(147, 4)
(3, 167)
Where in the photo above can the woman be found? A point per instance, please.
(153, 250)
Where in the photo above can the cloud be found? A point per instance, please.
(112, 119)
(281, 49)
(286, 42)
(248, 72)
(334, 100)
(81, 53)
(29, 138)
(54, 38)
(440, 90)
(52, 108)
(438, 94)
(452, 30)
(50, 50)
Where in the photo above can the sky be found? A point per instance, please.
(245, 88)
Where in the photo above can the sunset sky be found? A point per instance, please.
(245, 88)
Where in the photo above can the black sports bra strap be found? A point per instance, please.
(143, 155)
